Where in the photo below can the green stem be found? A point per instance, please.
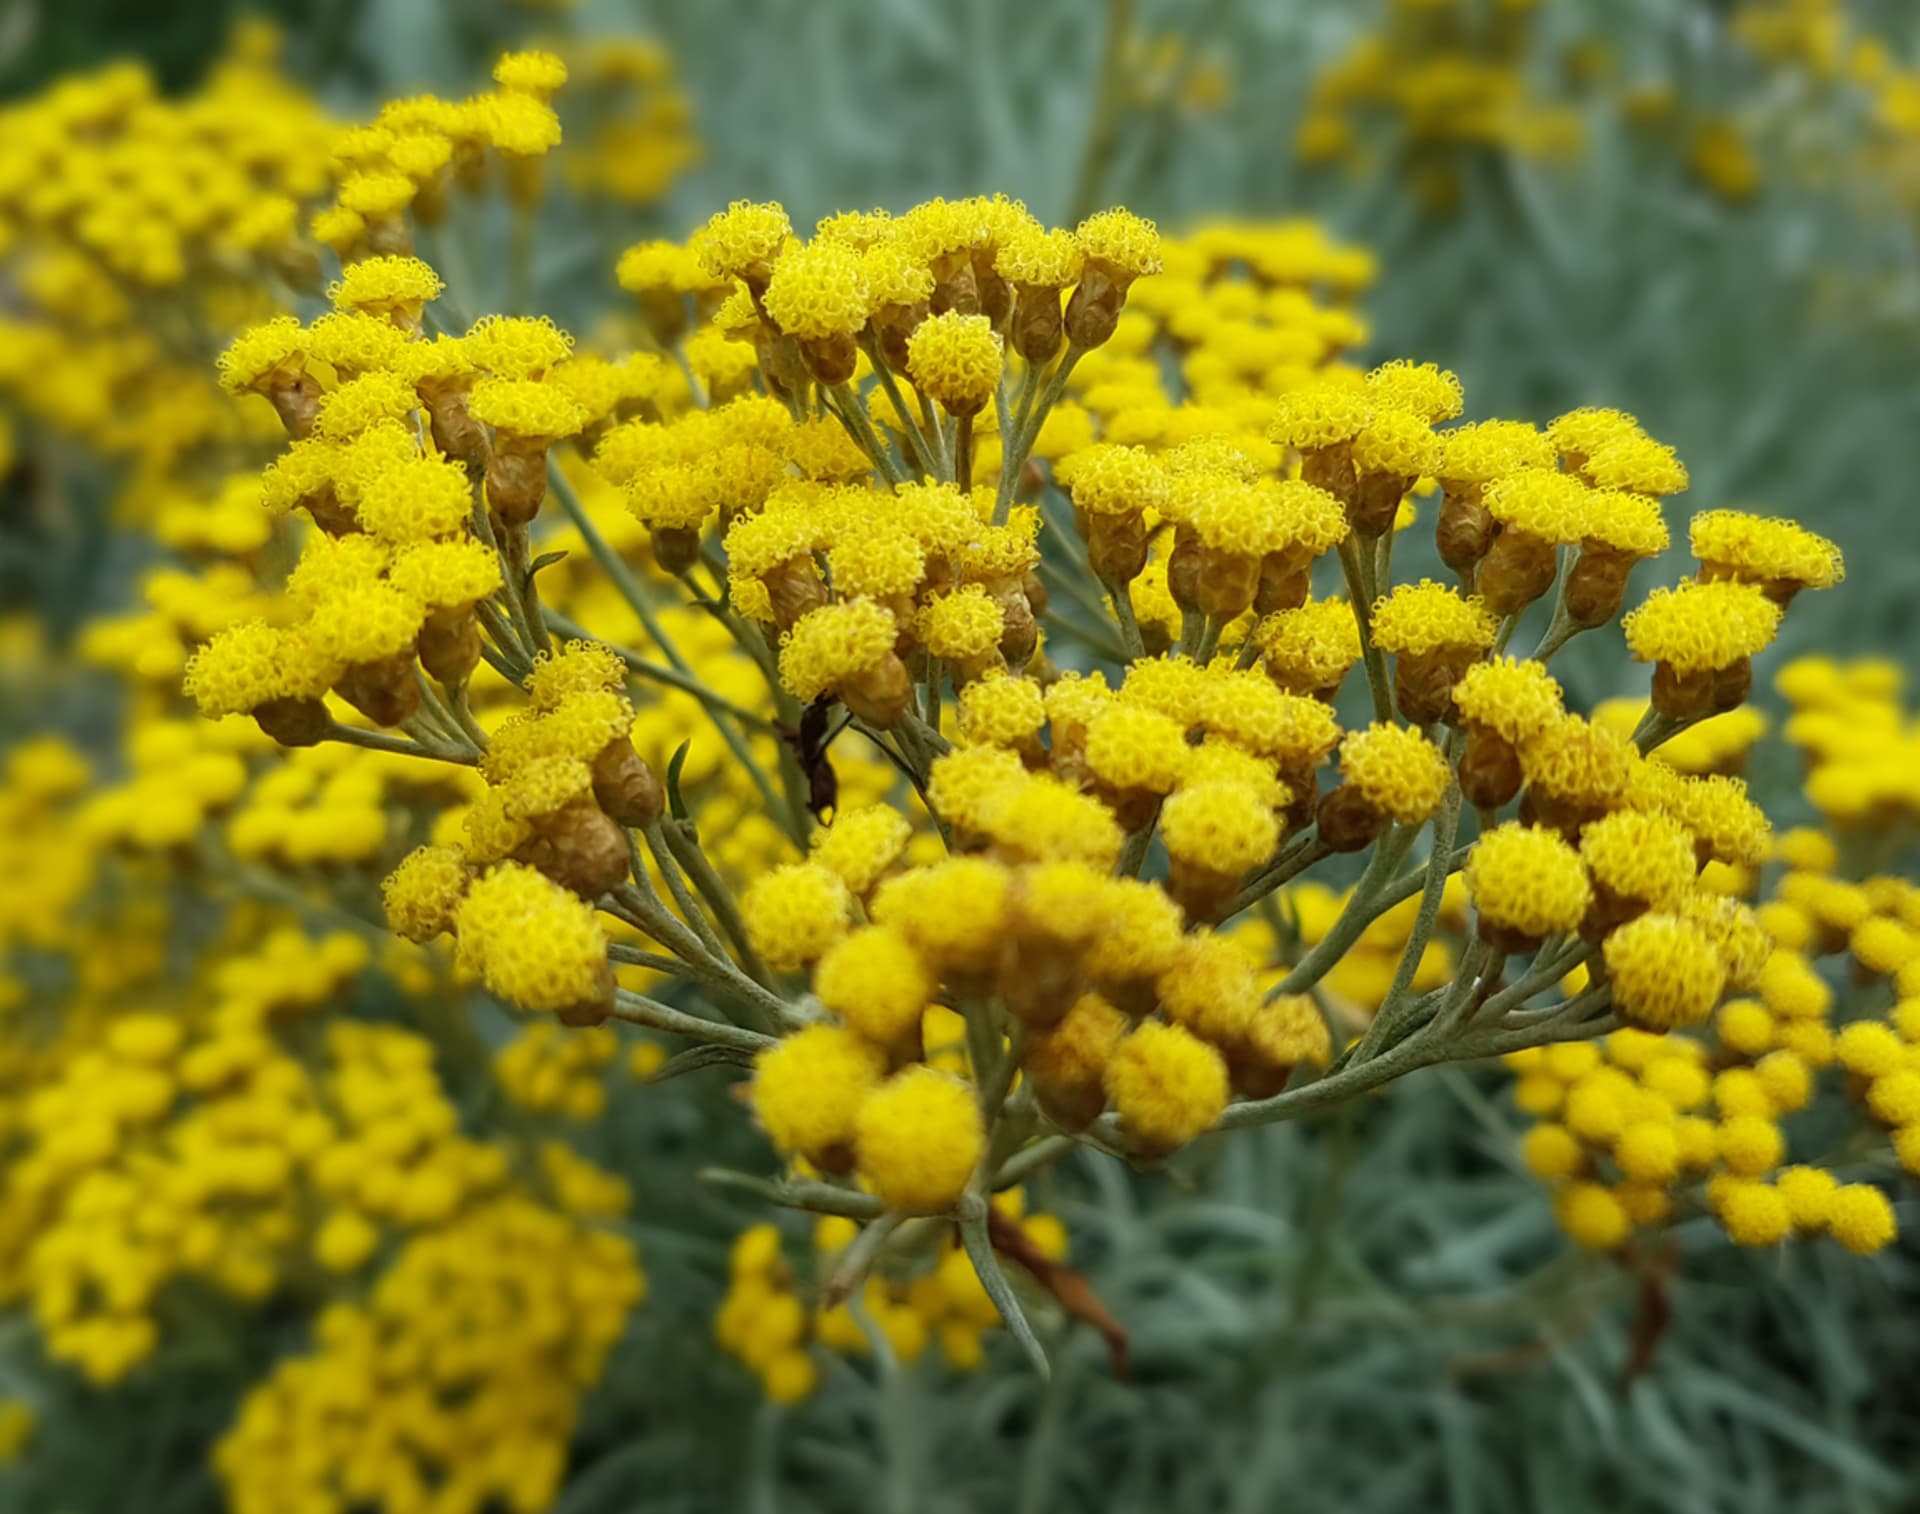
(638, 1009)
(713, 888)
(638, 600)
(1362, 908)
(382, 741)
(1376, 664)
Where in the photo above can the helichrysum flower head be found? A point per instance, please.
(1002, 711)
(422, 896)
(744, 241)
(808, 1089)
(1779, 555)
(875, 982)
(1167, 1086)
(1638, 464)
(1309, 650)
(861, 844)
(418, 500)
(919, 1138)
(393, 288)
(795, 913)
(1728, 825)
(364, 402)
(833, 644)
(527, 409)
(516, 347)
(1068, 1063)
(1125, 246)
(1318, 416)
(532, 72)
(1516, 699)
(1397, 770)
(1425, 390)
(1527, 884)
(1640, 859)
(953, 912)
(1702, 627)
(535, 944)
(955, 359)
(1580, 433)
(1665, 972)
(819, 295)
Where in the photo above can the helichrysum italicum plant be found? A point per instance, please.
(933, 666)
(930, 477)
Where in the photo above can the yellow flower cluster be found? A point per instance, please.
(777, 1317)
(1635, 1130)
(1445, 81)
(455, 1384)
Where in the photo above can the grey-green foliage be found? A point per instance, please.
(1424, 1340)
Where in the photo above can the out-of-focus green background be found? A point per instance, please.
(1774, 339)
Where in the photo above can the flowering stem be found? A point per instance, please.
(713, 888)
(616, 569)
(638, 1009)
(1131, 641)
(1376, 664)
(1656, 729)
(847, 409)
(689, 907)
(1291, 862)
(382, 741)
(816, 1198)
(931, 428)
(923, 454)
(1361, 909)
(857, 1259)
(963, 457)
(1445, 827)
(979, 1244)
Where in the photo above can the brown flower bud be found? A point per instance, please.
(879, 695)
(1225, 583)
(1732, 684)
(1464, 531)
(1038, 328)
(386, 692)
(794, 588)
(1489, 769)
(296, 398)
(1683, 696)
(293, 722)
(455, 432)
(1116, 546)
(1183, 568)
(1423, 684)
(517, 480)
(1093, 310)
(1285, 582)
(1517, 570)
(590, 1012)
(1348, 820)
(1376, 504)
(625, 786)
(1331, 468)
(449, 645)
(1596, 586)
(580, 847)
(675, 548)
(830, 360)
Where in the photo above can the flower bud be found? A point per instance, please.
(386, 692)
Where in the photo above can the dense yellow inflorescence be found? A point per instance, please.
(1640, 1130)
(915, 664)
